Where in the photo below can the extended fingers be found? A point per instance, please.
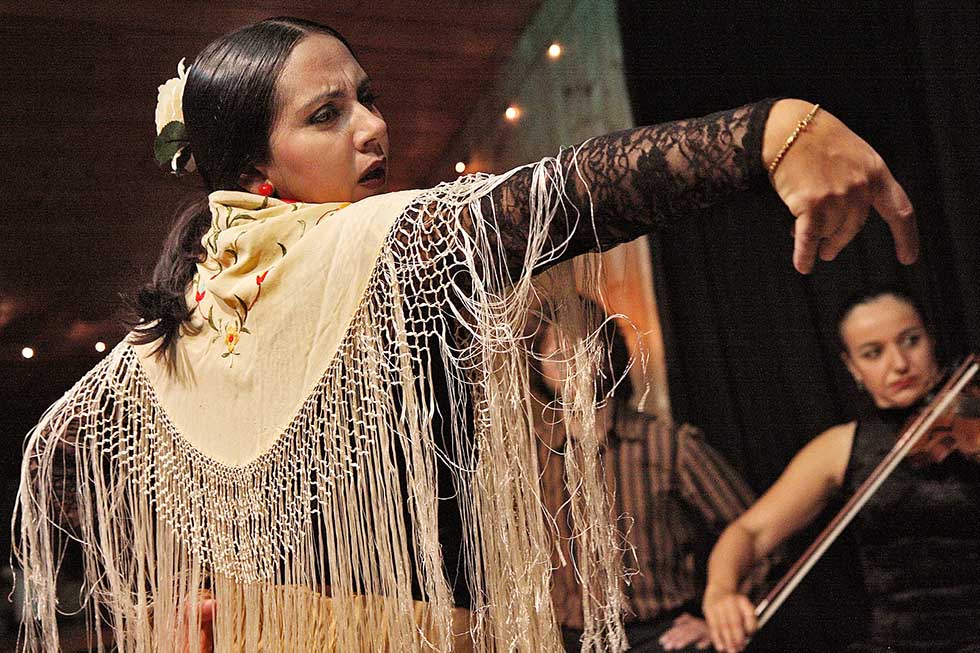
(824, 227)
(831, 184)
(826, 230)
(892, 203)
(831, 245)
(806, 240)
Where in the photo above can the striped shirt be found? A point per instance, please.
(671, 489)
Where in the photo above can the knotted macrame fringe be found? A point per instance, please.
(314, 545)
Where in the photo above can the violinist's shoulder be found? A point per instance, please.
(840, 433)
(834, 449)
(818, 469)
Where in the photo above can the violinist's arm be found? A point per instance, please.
(799, 495)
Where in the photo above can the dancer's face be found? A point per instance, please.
(889, 351)
(328, 142)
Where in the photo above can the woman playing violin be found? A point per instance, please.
(918, 537)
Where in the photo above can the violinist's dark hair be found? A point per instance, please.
(869, 295)
(229, 106)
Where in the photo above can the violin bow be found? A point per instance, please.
(910, 436)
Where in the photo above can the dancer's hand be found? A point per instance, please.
(830, 179)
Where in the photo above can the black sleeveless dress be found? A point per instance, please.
(919, 545)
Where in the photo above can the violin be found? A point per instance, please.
(949, 422)
(957, 429)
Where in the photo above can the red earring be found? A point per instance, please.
(265, 189)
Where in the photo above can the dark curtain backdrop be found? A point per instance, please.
(752, 356)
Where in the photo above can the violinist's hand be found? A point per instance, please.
(731, 619)
(829, 179)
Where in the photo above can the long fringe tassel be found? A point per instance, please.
(309, 547)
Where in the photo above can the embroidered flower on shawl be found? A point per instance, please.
(232, 335)
(252, 234)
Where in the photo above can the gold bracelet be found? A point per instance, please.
(800, 128)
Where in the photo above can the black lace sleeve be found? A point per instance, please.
(641, 179)
(617, 187)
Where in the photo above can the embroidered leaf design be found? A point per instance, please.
(211, 318)
(241, 217)
(302, 223)
(226, 354)
(221, 269)
(258, 282)
(244, 306)
(282, 247)
(323, 216)
(213, 240)
(265, 202)
(244, 330)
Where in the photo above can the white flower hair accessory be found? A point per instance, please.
(170, 148)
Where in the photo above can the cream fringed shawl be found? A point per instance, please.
(265, 464)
